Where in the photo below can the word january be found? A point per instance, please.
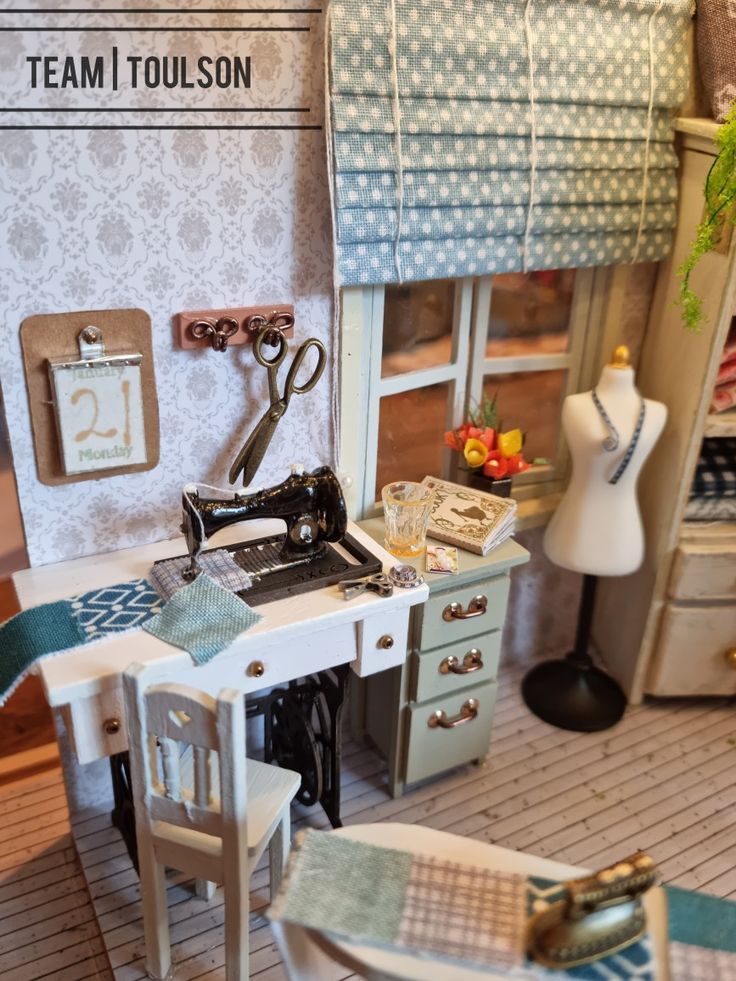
(169, 71)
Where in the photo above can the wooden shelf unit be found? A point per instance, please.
(654, 638)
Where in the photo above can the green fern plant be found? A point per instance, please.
(720, 199)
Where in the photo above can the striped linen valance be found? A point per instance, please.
(502, 135)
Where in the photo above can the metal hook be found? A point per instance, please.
(219, 332)
(274, 327)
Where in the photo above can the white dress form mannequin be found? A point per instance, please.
(597, 527)
(597, 531)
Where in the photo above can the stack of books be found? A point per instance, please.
(468, 518)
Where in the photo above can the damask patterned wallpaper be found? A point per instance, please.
(165, 221)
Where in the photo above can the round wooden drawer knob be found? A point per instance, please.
(731, 658)
(256, 669)
(111, 726)
(386, 642)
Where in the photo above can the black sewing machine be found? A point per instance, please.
(313, 508)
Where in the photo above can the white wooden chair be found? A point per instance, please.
(187, 827)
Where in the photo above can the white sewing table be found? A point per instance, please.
(298, 636)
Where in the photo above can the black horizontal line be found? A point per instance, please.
(239, 29)
(152, 109)
(254, 127)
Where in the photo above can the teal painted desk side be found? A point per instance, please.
(435, 711)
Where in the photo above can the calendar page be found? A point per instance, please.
(99, 411)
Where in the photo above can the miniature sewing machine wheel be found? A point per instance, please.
(295, 746)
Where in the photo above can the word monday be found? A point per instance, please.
(169, 72)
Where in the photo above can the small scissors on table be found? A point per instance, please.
(249, 459)
(379, 583)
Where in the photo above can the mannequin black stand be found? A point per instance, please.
(572, 693)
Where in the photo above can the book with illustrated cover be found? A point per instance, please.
(468, 518)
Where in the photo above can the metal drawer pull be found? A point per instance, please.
(439, 720)
(731, 658)
(256, 669)
(473, 661)
(111, 726)
(476, 608)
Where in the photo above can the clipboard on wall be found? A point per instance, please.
(91, 394)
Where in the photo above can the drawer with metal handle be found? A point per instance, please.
(466, 612)
(447, 669)
(696, 651)
(449, 730)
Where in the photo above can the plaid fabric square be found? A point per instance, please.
(691, 963)
(715, 475)
(464, 913)
(219, 565)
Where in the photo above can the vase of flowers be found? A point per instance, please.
(492, 456)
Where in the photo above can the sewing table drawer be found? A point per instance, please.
(382, 641)
(96, 725)
(454, 615)
(460, 734)
(446, 669)
(92, 721)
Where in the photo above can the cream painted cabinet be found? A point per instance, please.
(670, 629)
(435, 711)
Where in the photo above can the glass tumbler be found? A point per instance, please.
(406, 510)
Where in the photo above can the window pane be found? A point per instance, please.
(530, 401)
(411, 426)
(530, 313)
(417, 326)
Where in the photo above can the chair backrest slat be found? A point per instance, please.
(164, 720)
(170, 761)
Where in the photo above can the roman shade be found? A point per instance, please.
(468, 137)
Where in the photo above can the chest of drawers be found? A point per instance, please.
(435, 711)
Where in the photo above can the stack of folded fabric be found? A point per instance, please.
(724, 395)
(713, 492)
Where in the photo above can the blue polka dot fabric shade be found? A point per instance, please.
(502, 135)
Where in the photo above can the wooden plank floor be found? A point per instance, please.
(663, 780)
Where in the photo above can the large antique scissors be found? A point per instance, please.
(250, 457)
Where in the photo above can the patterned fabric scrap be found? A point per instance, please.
(702, 936)
(415, 903)
(167, 577)
(61, 626)
(464, 912)
(202, 619)
(715, 475)
(31, 635)
(114, 609)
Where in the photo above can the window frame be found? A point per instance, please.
(362, 310)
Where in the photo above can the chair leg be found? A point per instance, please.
(155, 913)
(205, 889)
(278, 850)
(237, 927)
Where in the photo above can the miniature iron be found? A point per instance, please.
(311, 504)
(598, 916)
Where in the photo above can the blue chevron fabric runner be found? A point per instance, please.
(202, 619)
